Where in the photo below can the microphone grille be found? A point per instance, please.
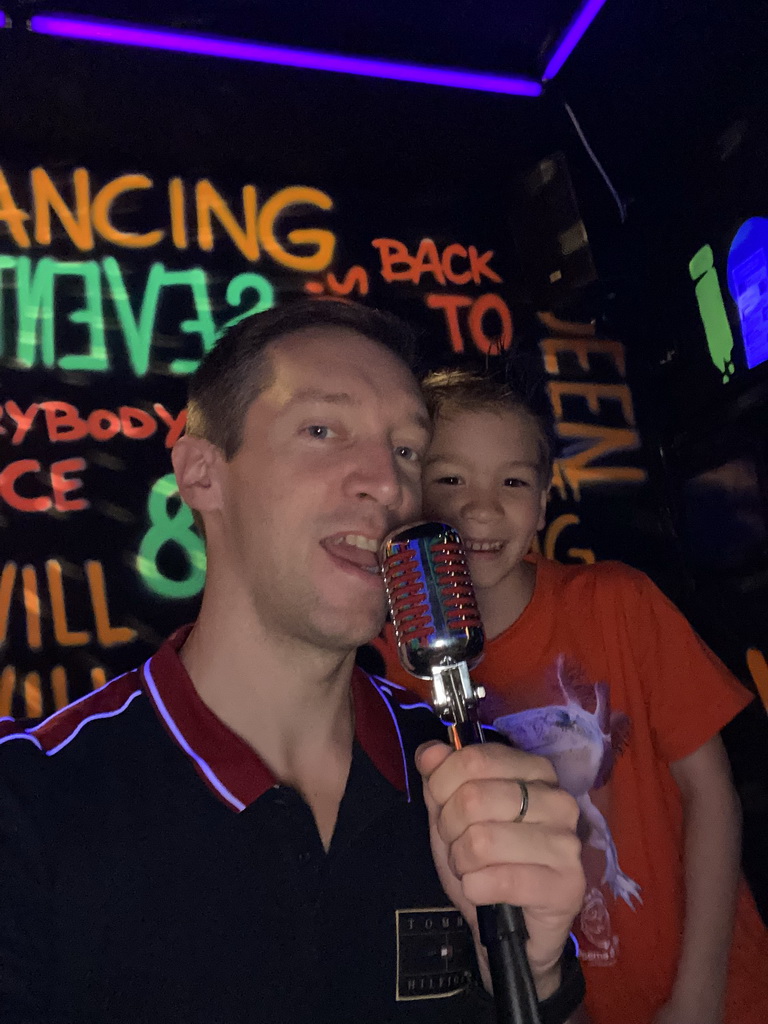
(431, 599)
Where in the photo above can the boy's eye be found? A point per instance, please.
(409, 454)
(515, 481)
(451, 481)
(317, 430)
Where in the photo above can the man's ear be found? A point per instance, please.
(197, 465)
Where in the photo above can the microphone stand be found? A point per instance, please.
(502, 926)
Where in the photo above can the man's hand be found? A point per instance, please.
(482, 856)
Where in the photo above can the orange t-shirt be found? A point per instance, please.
(602, 675)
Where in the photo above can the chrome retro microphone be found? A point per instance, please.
(437, 625)
(440, 637)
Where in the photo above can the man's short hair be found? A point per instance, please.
(233, 374)
(466, 389)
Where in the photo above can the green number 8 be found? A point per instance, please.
(170, 529)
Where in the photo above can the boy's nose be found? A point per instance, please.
(482, 508)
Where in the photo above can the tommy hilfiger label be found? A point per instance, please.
(434, 953)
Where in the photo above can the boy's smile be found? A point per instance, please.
(483, 547)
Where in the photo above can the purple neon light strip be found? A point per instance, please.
(205, 768)
(387, 686)
(3, 20)
(80, 700)
(570, 38)
(29, 734)
(93, 718)
(21, 736)
(378, 689)
(262, 53)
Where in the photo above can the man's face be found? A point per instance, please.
(483, 476)
(330, 462)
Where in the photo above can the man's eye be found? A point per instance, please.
(409, 454)
(320, 432)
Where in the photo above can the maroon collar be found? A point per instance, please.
(227, 765)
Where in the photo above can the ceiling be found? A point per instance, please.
(651, 81)
(506, 36)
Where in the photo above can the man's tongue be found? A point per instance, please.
(351, 553)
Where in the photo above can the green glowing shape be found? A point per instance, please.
(243, 283)
(138, 331)
(33, 284)
(712, 310)
(91, 315)
(203, 323)
(6, 263)
(34, 305)
(170, 528)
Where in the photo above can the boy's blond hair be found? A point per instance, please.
(454, 390)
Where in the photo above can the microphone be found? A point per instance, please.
(437, 625)
(440, 637)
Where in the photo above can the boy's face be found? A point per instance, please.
(483, 475)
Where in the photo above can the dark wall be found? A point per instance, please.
(671, 98)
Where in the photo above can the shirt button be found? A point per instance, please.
(304, 857)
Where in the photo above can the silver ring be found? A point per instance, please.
(523, 801)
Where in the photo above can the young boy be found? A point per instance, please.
(591, 666)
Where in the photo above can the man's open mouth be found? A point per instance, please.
(355, 548)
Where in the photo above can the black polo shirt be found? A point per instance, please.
(153, 871)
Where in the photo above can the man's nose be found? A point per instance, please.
(376, 475)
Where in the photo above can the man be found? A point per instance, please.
(236, 832)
